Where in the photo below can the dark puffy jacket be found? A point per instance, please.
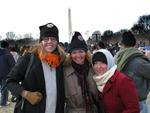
(6, 63)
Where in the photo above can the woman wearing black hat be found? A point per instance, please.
(118, 92)
(42, 89)
(80, 89)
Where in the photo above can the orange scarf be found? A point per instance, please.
(52, 59)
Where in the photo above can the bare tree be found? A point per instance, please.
(10, 35)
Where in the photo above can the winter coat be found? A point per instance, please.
(119, 95)
(139, 70)
(136, 66)
(6, 63)
(34, 82)
(74, 99)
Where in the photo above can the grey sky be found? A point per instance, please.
(25, 16)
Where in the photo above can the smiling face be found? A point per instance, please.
(99, 67)
(78, 56)
(49, 43)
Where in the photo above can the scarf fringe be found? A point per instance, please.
(52, 59)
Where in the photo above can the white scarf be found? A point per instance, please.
(101, 80)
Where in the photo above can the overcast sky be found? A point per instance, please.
(25, 16)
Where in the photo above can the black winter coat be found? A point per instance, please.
(34, 82)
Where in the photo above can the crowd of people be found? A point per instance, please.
(52, 77)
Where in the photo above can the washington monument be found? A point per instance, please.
(69, 24)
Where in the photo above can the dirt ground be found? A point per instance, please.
(9, 108)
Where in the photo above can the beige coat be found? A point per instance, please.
(74, 98)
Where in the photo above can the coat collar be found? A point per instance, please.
(70, 70)
(108, 85)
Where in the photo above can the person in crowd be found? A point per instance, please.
(80, 89)
(93, 48)
(6, 63)
(66, 45)
(14, 53)
(24, 49)
(147, 53)
(101, 45)
(115, 49)
(117, 91)
(42, 90)
(134, 64)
